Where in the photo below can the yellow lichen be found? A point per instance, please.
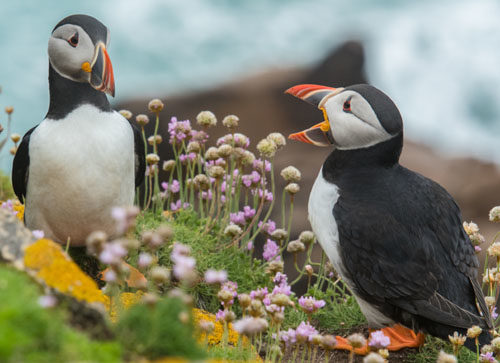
(19, 208)
(50, 264)
(217, 334)
(127, 299)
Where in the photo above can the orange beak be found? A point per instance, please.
(317, 95)
(101, 75)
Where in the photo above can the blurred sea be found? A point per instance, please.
(438, 60)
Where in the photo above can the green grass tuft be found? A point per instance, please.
(430, 351)
(157, 331)
(6, 190)
(30, 333)
(210, 252)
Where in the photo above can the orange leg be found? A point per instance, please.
(400, 337)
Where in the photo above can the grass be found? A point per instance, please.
(30, 333)
(430, 351)
(210, 252)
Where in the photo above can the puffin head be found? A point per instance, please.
(355, 117)
(77, 51)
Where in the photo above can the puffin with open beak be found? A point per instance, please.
(84, 158)
(394, 236)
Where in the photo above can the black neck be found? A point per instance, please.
(386, 154)
(66, 95)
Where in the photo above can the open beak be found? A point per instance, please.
(101, 71)
(316, 95)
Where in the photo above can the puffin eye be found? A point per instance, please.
(73, 41)
(347, 105)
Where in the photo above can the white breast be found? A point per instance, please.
(80, 167)
(322, 199)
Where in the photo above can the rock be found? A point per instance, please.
(14, 238)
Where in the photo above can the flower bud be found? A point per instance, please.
(152, 159)
(278, 139)
(15, 137)
(150, 299)
(292, 188)
(274, 267)
(316, 339)
(457, 339)
(212, 153)
(373, 357)
(155, 105)
(267, 148)
(356, 340)
(142, 120)
(202, 182)
(193, 147)
(126, 113)
(295, 247)
(9, 109)
(165, 232)
(306, 237)
(494, 214)
(225, 150)
(280, 300)
(206, 326)
(279, 234)
(474, 331)
(230, 316)
(152, 140)
(247, 158)
(216, 171)
(232, 230)
(291, 174)
(309, 270)
(446, 358)
(231, 121)
(95, 242)
(168, 165)
(244, 300)
(160, 275)
(206, 119)
(328, 342)
(13, 150)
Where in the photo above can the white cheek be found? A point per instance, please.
(351, 133)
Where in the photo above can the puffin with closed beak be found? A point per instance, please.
(394, 236)
(84, 158)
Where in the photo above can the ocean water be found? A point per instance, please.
(438, 60)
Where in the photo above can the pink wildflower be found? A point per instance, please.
(144, 260)
(271, 250)
(38, 233)
(310, 305)
(47, 301)
(215, 277)
(305, 332)
(378, 340)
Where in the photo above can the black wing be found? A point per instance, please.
(425, 262)
(140, 156)
(20, 167)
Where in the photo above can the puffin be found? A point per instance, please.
(394, 236)
(84, 158)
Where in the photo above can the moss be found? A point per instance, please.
(158, 331)
(29, 333)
